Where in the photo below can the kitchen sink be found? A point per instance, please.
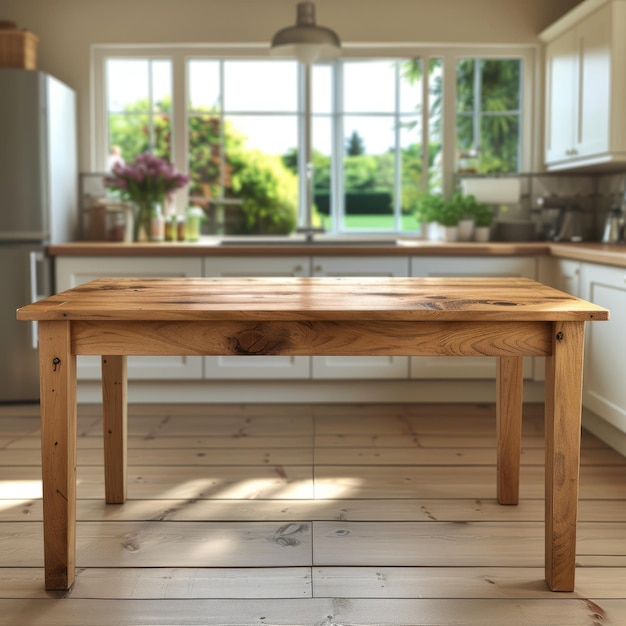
(300, 241)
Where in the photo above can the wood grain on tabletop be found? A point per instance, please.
(410, 299)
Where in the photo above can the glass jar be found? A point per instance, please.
(195, 217)
(467, 162)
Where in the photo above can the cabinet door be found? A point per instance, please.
(593, 38)
(347, 367)
(257, 367)
(448, 367)
(567, 276)
(604, 391)
(73, 271)
(561, 105)
(578, 90)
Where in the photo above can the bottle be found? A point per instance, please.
(157, 223)
(171, 228)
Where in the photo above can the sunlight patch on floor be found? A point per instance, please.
(19, 490)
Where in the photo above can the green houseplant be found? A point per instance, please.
(448, 217)
(483, 217)
(429, 207)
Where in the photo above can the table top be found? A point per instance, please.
(298, 299)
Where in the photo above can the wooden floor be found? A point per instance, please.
(300, 514)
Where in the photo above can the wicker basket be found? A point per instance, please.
(18, 48)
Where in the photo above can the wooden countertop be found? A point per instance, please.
(591, 252)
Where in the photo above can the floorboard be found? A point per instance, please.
(309, 514)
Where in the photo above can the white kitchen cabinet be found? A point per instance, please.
(467, 367)
(567, 276)
(346, 367)
(72, 271)
(604, 391)
(257, 367)
(586, 86)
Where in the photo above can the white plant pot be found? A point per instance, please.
(431, 231)
(450, 233)
(466, 230)
(482, 233)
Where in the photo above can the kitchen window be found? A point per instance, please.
(385, 129)
(489, 113)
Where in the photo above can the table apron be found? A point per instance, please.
(312, 338)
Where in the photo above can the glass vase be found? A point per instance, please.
(148, 221)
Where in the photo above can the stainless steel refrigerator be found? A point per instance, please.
(38, 206)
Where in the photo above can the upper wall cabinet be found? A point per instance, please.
(586, 87)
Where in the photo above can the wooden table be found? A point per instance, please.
(506, 318)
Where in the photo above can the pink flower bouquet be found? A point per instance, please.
(147, 179)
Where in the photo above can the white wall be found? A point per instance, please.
(68, 28)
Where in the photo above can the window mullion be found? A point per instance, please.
(477, 105)
(337, 158)
(222, 132)
(151, 137)
(397, 179)
(179, 143)
(425, 121)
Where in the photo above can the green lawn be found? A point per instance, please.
(378, 223)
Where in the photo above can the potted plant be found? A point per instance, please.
(467, 210)
(448, 217)
(483, 217)
(427, 212)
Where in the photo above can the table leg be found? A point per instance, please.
(57, 370)
(563, 405)
(114, 403)
(509, 402)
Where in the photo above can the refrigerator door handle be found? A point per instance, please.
(36, 260)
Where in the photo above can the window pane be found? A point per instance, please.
(322, 89)
(369, 86)
(261, 86)
(203, 85)
(500, 84)
(162, 86)
(500, 144)
(205, 156)
(322, 148)
(465, 132)
(465, 85)
(411, 86)
(435, 123)
(127, 85)
(272, 134)
(129, 133)
(369, 170)
(139, 105)
(488, 118)
(411, 170)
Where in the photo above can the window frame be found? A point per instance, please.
(449, 54)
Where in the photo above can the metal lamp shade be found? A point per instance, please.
(306, 41)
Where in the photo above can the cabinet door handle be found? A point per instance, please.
(297, 268)
(317, 268)
(35, 260)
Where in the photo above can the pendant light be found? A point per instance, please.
(306, 41)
